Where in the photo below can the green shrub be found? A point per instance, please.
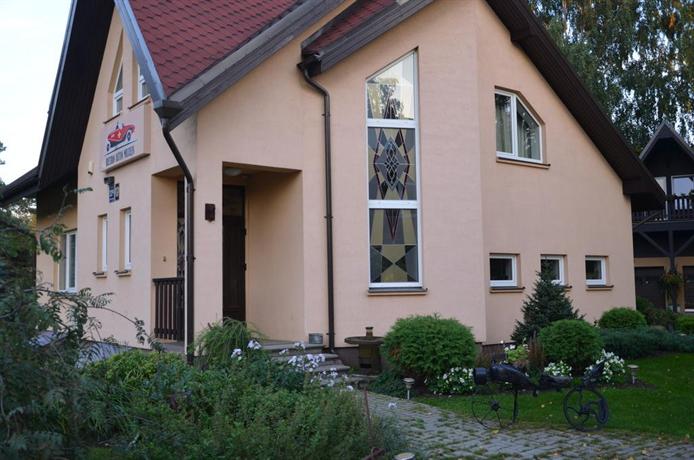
(573, 341)
(219, 412)
(215, 344)
(643, 304)
(389, 383)
(637, 343)
(622, 318)
(685, 324)
(131, 368)
(548, 303)
(427, 346)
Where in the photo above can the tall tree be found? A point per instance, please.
(634, 55)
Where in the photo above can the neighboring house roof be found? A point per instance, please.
(666, 132)
(25, 185)
(192, 50)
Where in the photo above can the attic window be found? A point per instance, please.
(518, 133)
(142, 87)
(118, 93)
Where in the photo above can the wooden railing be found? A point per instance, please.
(676, 208)
(168, 315)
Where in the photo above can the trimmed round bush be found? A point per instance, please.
(622, 318)
(685, 324)
(573, 341)
(427, 346)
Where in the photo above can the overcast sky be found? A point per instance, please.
(31, 38)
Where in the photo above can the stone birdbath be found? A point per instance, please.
(369, 356)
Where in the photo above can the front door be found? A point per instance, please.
(234, 253)
(648, 284)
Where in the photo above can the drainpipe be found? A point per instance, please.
(328, 203)
(166, 111)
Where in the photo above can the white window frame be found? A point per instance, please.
(103, 220)
(118, 94)
(394, 204)
(514, 129)
(513, 282)
(70, 264)
(127, 239)
(140, 84)
(562, 272)
(603, 271)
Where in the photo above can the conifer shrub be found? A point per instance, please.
(622, 318)
(548, 303)
(427, 346)
(572, 341)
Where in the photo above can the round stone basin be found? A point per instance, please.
(369, 356)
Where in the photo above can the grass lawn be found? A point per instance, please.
(666, 407)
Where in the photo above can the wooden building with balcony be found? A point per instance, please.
(664, 238)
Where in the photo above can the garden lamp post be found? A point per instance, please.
(409, 381)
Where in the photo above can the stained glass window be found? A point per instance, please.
(392, 168)
(518, 136)
(393, 182)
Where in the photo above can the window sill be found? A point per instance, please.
(567, 287)
(123, 272)
(140, 102)
(113, 117)
(506, 289)
(513, 161)
(99, 274)
(380, 291)
(599, 287)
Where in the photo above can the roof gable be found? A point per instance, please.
(666, 132)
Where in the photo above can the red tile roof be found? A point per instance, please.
(186, 37)
(353, 17)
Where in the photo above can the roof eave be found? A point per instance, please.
(24, 186)
(319, 61)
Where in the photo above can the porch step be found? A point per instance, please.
(282, 350)
(328, 358)
(275, 347)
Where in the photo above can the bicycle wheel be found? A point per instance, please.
(494, 406)
(585, 409)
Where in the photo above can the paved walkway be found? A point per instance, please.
(438, 433)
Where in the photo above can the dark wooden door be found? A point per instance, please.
(234, 253)
(648, 284)
(688, 274)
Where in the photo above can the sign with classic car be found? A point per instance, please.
(126, 137)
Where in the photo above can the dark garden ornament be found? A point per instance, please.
(585, 408)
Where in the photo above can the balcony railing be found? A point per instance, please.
(677, 208)
(168, 315)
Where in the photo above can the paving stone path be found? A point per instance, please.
(438, 433)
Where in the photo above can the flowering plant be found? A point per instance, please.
(558, 369)
(614, 367)
(457, 380)
(517, 354)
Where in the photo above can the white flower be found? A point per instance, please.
(284, 352)
(254, 345)
(392, 405)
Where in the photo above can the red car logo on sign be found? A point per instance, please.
(122, 134)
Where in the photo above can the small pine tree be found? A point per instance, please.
(547, 304)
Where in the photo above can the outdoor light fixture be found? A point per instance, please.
(232, 172)
(633, 370)
(409, 381)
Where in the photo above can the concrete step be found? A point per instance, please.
(277, 346)
(330, 367)
(327, 357)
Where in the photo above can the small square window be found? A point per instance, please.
(503, 270)
(596, 271)
(555, 266)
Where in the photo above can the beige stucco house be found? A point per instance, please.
(318, 166)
